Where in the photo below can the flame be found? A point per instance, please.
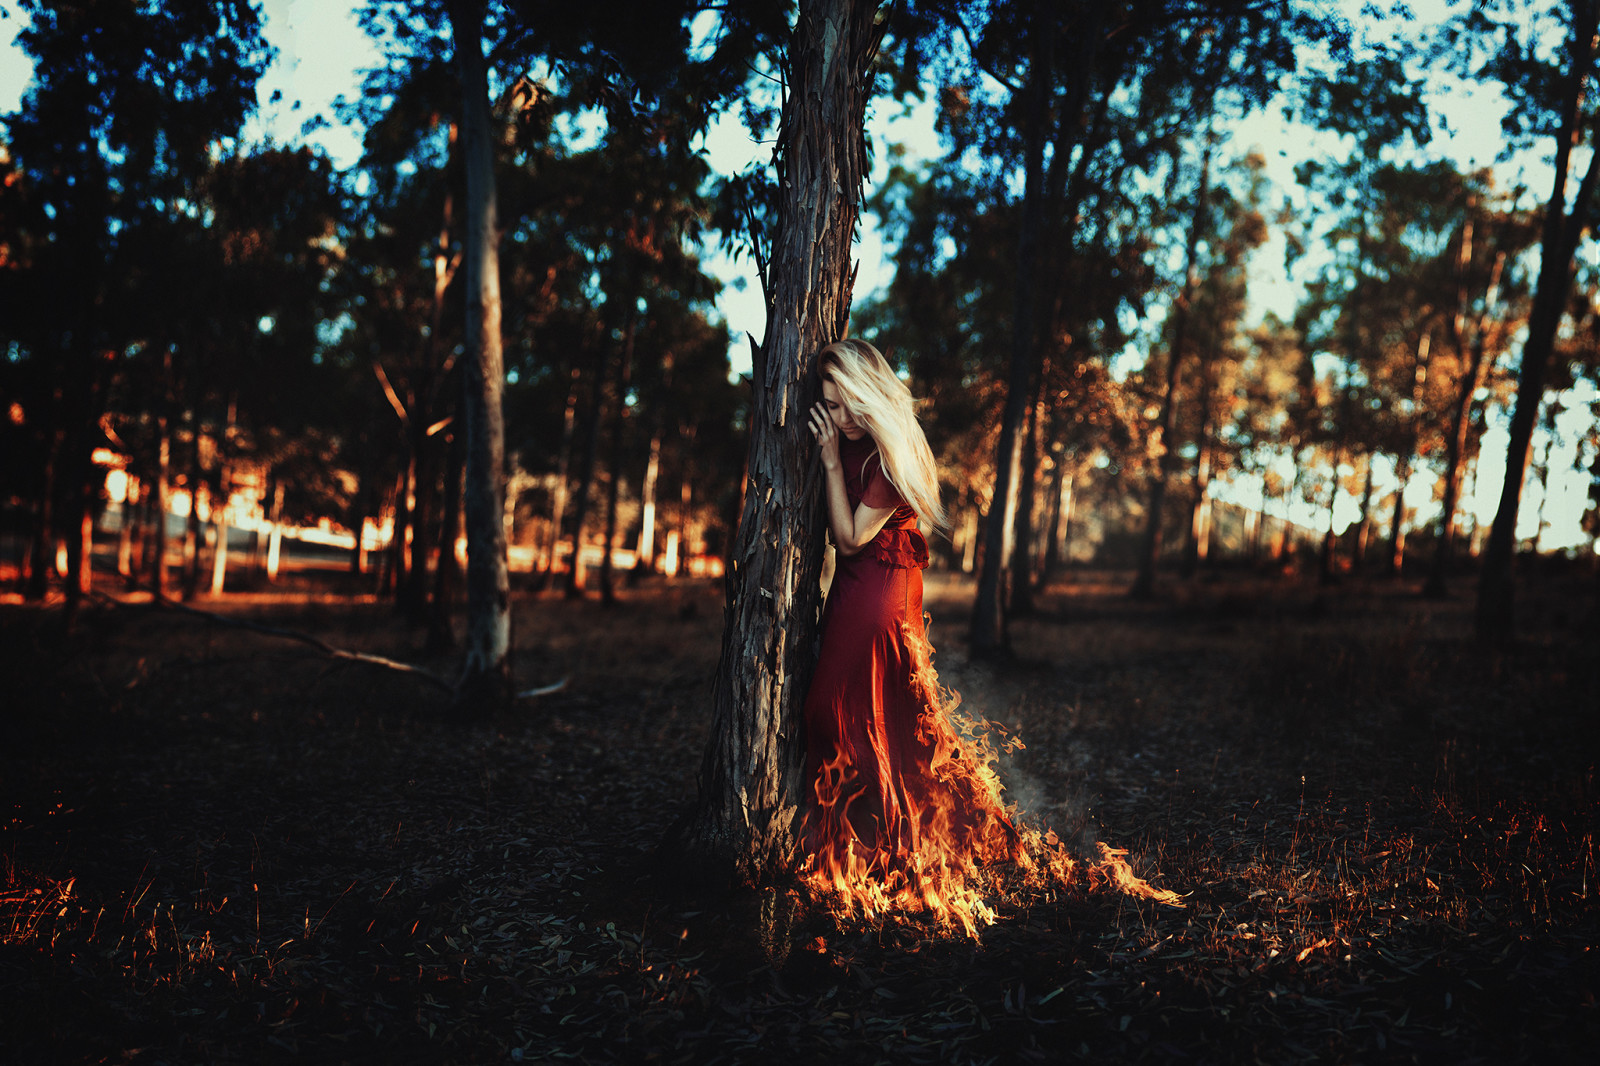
(940, 840)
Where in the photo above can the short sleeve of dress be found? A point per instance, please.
(877, 490)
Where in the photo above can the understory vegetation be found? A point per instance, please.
(219, 847)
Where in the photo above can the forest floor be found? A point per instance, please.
(217, 846)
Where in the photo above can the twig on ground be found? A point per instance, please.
(287, 634)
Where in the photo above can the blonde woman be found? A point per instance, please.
(892, 786)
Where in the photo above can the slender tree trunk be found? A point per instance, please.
(1496, 590)
(41, 554)
(1199, 504)
(1328, 557)
(558, 497)
(987, 635)
(358, 522)
(645, 556)
(191, 526)
(1021, 602)
(275, 537)
(486, 666)
(1472, 356)
(159, 501)
(608, 592)
(130, 501)
(447, 575)
(1358, 555)
(1394, 564)
(751, 788)
(1060, 492)
(1144, 584)
(219, 514)
(970, 534)
(574, 579)
(413, 593)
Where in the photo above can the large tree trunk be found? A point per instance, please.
(987, 635)
(486, 665)
(1144, 584)
(1562, 230)
(751, 787)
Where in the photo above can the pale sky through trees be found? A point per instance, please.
(321, 51)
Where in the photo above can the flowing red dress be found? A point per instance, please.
(891, 780)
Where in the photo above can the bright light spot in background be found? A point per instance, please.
(266, 324)
(321, 54)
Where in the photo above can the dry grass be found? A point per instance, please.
(218, 848)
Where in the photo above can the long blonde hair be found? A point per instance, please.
(880, 403)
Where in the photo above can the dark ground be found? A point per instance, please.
(218, 847)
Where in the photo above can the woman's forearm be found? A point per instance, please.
(841, 519)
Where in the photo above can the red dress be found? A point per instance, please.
(894, 789)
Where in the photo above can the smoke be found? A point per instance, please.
(1058, 802)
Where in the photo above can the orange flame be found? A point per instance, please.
(952, 848)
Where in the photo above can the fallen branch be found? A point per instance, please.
(289, 634)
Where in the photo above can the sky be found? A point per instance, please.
(321, 52)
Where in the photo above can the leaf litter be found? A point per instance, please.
(216, 850)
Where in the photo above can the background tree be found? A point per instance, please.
(1553, 96)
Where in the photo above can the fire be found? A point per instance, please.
(946, 844)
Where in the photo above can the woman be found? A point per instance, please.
(899, 803)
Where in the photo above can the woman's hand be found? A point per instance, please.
(827, 435)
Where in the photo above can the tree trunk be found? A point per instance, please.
(608, 592)
(1144, 585)
(1358, 555)
(130, 500)
(751, 787)
(358, 521)
(1199, 504)
(447, 575)
(1394, 564)
(574, 579)
(219, 555)
(987, 635)
(159, 501)
(1021, 603)
(1059, 494)
(558, 496)
(1496, 591)
(486, 666)
(645, 556)
(275, 538)
(1460, 419)
(191, 526)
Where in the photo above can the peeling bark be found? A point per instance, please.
(743, 827)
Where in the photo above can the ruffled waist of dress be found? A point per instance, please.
(901, 549)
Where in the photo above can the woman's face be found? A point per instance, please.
(837, 411)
